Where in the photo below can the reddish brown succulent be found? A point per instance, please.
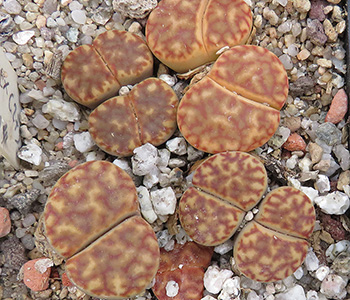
(146, 115)
(225, 187)
(236, 106)
(186, 34)
(94, 73)
(185, 265)
(92, 219)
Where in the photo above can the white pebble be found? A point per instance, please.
(177, 145)
(151, 178)
(311, 260)
(310, 192)
(144, 159)
(312, 295)
(22, 37)
(224, 247)
(12, 7)
(292, 162)
(230, 289)
(296, 292)
(208, 297)
(214, 279)
(164, 201)
(286, 61)
(333, 286)
(79, 16)
(172, 288)
(336, 203)
(322, 272)
(163, 158)
(146, 204)
(83, 142)
(62, 110)
(170, 80)
(39, 121)
(298, 273)
(335, 249)
(322, 183)
(31, 153)
(43, 264)
(75, 5)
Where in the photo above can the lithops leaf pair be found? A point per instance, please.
(92, 219)
(236, 105)
(225, 187)
(145, 115)
(94, 73)
(183, 266)
(185, 34)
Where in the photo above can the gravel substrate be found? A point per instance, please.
(307, 36)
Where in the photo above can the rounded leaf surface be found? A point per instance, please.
(126, 55)
(145, 115)
(287, 210)
(93, 73)
(86, 78)
(186, 34)
(120, 264)
(214, 119)
(199, 211)
(266, 255)
(252, 72)
(86, 202)
(236, 177)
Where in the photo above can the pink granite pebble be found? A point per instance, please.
(5, 222)
(338, 108)
(295, 143)
(34, 279)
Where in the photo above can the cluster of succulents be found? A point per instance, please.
(92, 210)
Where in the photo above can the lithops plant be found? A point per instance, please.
(93, 221)
(184, 266)
(145, 115)
(93, 73)
(236, 105)
(185, 34)
(225, 187)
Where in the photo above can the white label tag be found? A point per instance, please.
(10, 140)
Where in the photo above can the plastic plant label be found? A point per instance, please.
(10, 140)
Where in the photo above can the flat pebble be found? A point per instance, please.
(79, 16)
(62, 110)
(31, 153)
(5, 222)
(311, 260)
(40, 122)
(224, 247)
(164, 201)
(336, 203)
(33, 279)
(177, 145)
(83, 142)
(329, 134)
(12, 7)
(28, 220)
(22, 37)
(296, 292)
(338, 108)
(322, 272)
(144, 159)
(146, 204)
(333, 286)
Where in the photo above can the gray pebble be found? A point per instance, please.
(14, 252)
(28, 241)
(28, 220)
(329, 133)
(23, 201)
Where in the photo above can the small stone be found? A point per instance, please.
(295, 143)
(302, 6)
(303, 54)
(151, 178)
(336, 203)
(230, 289)
(286, 61)
(28, 220)
(335, 249)
(72, 34)
(83, 142)
(164, 201)
(296, 292)
(315, 32)
(34, 279)
(292, 123)
(12, 7)
(322, 272)
(341, 264)
(134, 9)
(23, 201)
(305, 164)
(338, 108)
(39, 121)
(299, 273)
(316, 152)
(224, 247)
(270, 15)
(311, 261)
(330, 31)
(322, 183)
(22, 37)
(146, 204)
(333, 286)
(79, 16)
(343, 156)
(170, 80)
(50, 6)
(31, 153)
(329, 134)
(214, 279)
(14, 252)
(28, 241)
(5, 222)
(177, 145)
(343, 180)
(292, 162)
(62, 110)
(144, 159)
(172, 288)
(316, 10)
